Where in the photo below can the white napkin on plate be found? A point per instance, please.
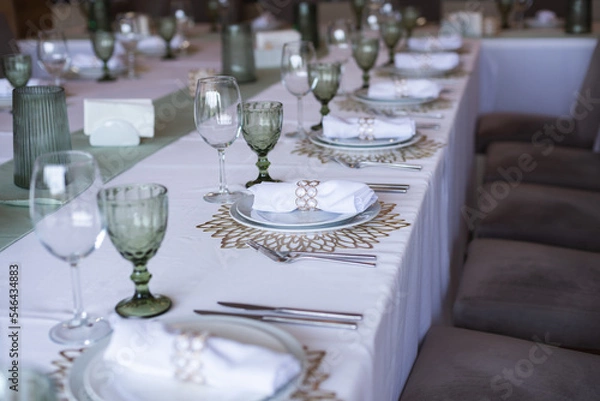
(398, 88)
(335, 196)
(397, 128)
(432, 43)
(137, 112)
(443, 61)
(545, 16)
(149, 348)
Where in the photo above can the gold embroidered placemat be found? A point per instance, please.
(423, 148)
(363, 236)
(309, 389)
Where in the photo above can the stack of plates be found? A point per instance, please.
(91, 378)
(319, 139)
(298, 221)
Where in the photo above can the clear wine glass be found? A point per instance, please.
(53, 54)
(184, 16)
(136, 217)
(67, 221)
(17, 69)
(295, 58)
(129, 34)
(216, 114)
(339, 43)
(261, 128)
(326, 78)
(103, 43)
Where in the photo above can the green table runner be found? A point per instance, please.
(174, 118)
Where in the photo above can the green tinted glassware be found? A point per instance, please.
(504, 8)
(390, 28)
(136, 218)
(261, 128)
(357, 7)
(324, 79)
(167, 27)
(103, 43)
(365, 50)
(17, 69)
(410, 19)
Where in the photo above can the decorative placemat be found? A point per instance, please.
(422, 149)
(349, 104)
(363, 236)
(309, 389)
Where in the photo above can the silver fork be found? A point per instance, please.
(287, 257)
(362, 164)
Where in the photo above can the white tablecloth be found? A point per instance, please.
(409, 289)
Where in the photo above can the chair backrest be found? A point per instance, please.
(588, 127)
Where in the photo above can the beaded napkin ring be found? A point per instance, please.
(306, 193)
(365, 128)
(187, 356)
(400, 87)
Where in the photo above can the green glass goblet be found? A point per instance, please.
(410, 19)
(504, 8)
(167, 27)
(390, 27)
(103, 43)
(324, 79)
(365, 50)
(357, 7)
(17, 69)
(136, 218)
(261, 128)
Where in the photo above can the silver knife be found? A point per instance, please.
(389, 187)
(337, 324)
(294, 311)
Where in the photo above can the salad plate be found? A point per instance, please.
(91, 378)
(356, 143)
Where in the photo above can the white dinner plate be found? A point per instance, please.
(93, 379)
(305, 219)
(319, 139)
(361, 95)
(369, 214)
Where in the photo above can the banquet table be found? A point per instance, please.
(419, 240)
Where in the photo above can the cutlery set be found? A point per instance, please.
(363, 164)
(310, 317)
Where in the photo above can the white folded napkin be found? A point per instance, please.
(399, 88)
(149, 348)
(443, 61)
(368, 127)
(545, 16)
(335, 196)
(432, 43)
(137, 112)
(6, 88)
(86, 61)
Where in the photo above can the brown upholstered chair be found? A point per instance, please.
(578, 130)
(544, 214)
(528, 290)
(465, 365)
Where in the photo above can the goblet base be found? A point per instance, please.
(106, 78)
(169, 56)
(317, 127)
(259, 180)
(143, 307)
(225, 197)
(79, 332)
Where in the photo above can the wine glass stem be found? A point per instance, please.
(365, 77)
(131, 64)
(79, 315)
(141, 277)
(300, 128)
(222, 179)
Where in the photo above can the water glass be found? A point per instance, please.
(238, 52)
(339, 43)
(365, 50)
(17, 69)
(184, 16)
(136, 219)
(261, 128)
(53, 53)
(306, 22)
(40, 125)
(325, 78)
(129, 34)
(103, 43)
(295, 58)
